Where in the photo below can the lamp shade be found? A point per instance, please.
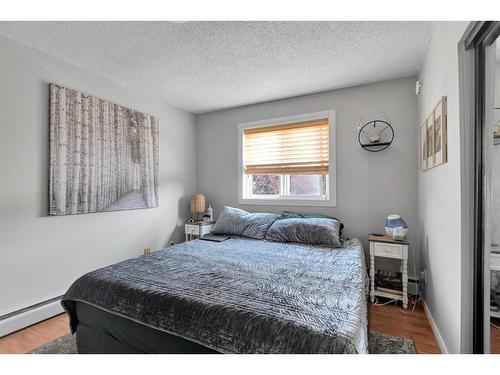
(198, 204)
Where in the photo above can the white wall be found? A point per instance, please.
(497, 82)
(439, 188)
(369, 185)
(40, 255)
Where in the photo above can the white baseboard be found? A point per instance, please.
(29, 317)
(435, 330)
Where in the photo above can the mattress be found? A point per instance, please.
(238, 296)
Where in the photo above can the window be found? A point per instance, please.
(288, 160)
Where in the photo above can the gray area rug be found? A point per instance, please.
(379, 343)
(382, 343)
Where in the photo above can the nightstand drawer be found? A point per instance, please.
(388, 250)
(193, 230)
(197, 230)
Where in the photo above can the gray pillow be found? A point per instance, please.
(293, 215)
(314, 231)
(236, 222)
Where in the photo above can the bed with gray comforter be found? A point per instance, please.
(239, 296)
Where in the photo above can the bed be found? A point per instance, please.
(238, 296)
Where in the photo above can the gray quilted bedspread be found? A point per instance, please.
(240, 296)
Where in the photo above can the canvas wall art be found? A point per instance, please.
(103, 156)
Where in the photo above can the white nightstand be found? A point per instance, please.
(383, 246)
(197, 229)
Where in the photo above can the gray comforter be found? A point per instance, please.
(240, 296)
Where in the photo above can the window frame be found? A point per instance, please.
(331, 181)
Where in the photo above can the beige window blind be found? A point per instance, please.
(294, 148)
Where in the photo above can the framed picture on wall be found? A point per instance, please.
(423, 146)
(434, 137)
(430, 142)
(440, 136)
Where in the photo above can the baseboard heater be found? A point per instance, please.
(29, 315)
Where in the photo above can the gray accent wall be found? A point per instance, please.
(370, 186)
(41, 255)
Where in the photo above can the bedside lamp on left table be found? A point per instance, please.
(198, 205)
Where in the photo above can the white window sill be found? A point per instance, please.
(288, 202)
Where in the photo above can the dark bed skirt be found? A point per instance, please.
(101, 332)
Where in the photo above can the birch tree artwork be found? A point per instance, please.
(103, 157)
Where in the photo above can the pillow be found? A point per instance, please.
(291, 215)
(314, 231)
(236, 222)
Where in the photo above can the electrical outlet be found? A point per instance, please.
(147, 251)
(423, 276)
(172, 243)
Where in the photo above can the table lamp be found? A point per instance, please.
(198, 203)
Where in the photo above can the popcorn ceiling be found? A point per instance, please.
(206, 66)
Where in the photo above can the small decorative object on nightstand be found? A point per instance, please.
(197, 229)
(384, 246)
(394, 222)
(209, 215)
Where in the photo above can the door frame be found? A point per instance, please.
(473, 51)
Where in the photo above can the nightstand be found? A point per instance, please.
(383, 246)
(197, 229)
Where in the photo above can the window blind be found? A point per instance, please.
(294, 148)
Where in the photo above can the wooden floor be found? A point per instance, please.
(387, 319)
(495, 336)
(29, 338)
(405, 323)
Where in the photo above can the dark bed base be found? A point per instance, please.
(89, 341)
(101, 332)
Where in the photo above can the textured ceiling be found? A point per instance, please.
(205, 66)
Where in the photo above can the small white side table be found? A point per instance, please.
(383, 246)
(197, 229)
